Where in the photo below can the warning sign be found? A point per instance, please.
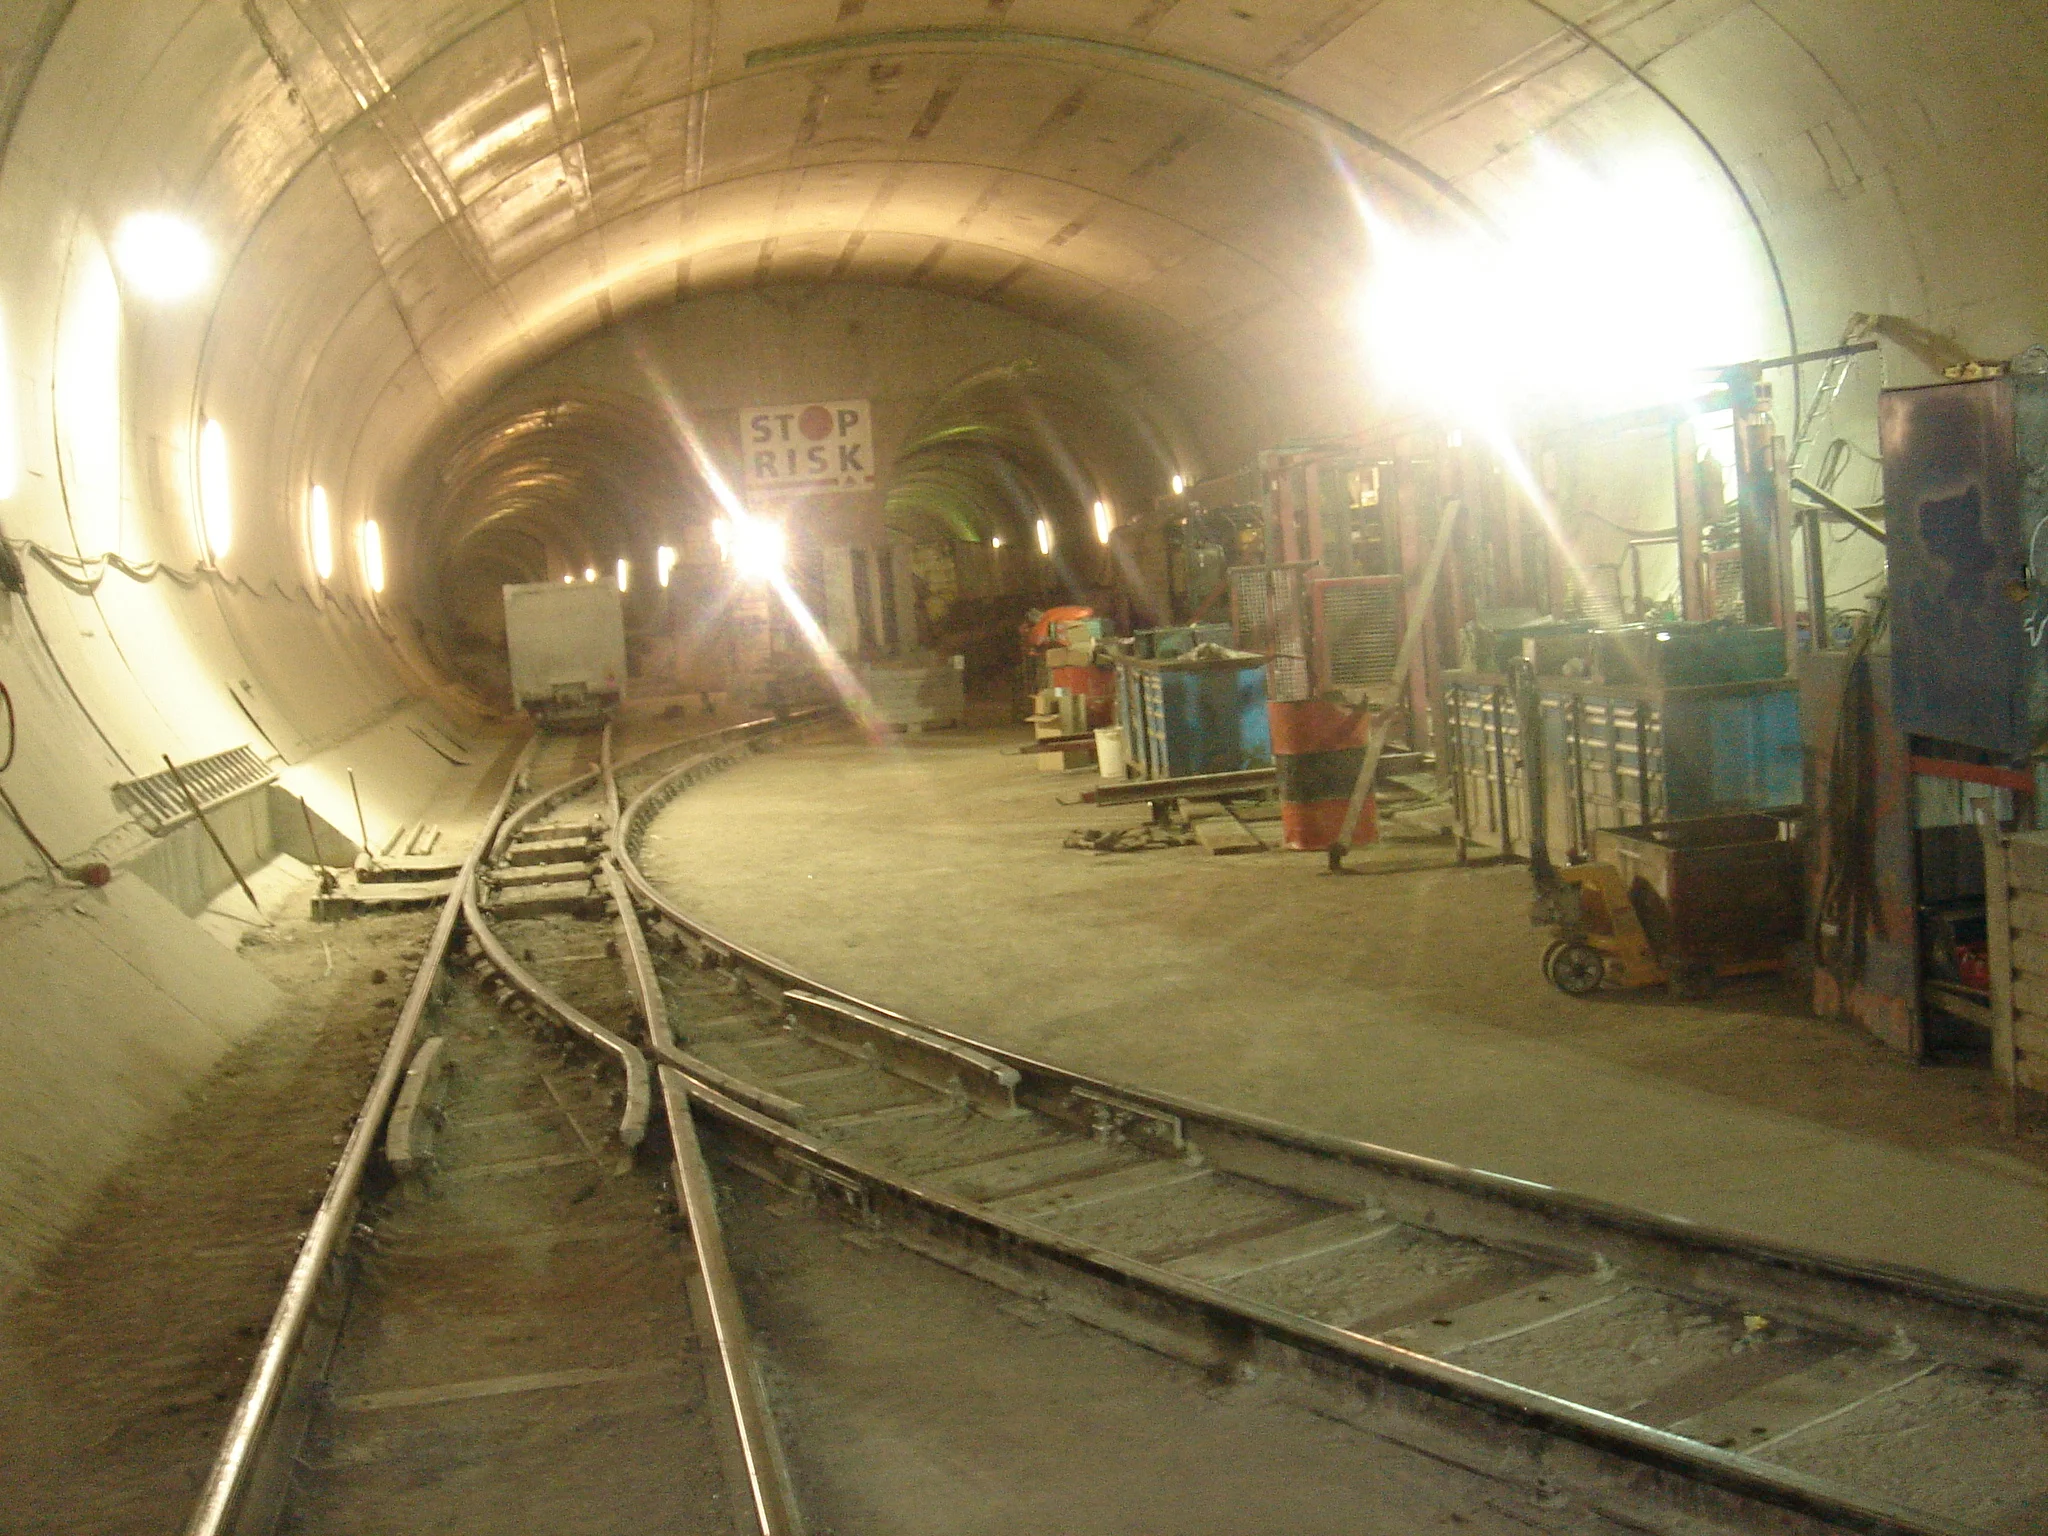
(825, 445)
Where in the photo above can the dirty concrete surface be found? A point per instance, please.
(123, 1357)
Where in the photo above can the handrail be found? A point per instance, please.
(227, 1482)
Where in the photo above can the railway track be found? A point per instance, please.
(490, 1182)
(1614, 1371)
(1630, 1367)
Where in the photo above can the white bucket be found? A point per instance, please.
(1109, 751)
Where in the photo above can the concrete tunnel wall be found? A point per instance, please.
(410, 202)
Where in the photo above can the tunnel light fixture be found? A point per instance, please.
(624, 575)
(1105, 524)
(589, 574)
(162, 257)
(1596, 287)
(664, 563)
(320, 532)
(568, 578)
(373, 555)
(759, 548)
(995, 541)
(216, 503)
(1044, 537)
(1180, 485)
(10, 444)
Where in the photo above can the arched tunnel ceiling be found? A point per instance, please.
(417, 198)
(547, 168)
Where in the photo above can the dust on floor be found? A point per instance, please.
(123, 1356)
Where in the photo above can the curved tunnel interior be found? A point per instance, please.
(323, 320)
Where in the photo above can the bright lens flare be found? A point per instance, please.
(759, 549)
(373, 555)
(216, 506)
(664, 563)
(1104, 523)
(161, 256)
(1601, 289)
(729, 531)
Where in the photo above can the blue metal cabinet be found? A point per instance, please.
(1187, 717)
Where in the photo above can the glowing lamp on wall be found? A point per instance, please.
(664, 563)
(162, 257)
(320, 532)
(1044, 537)
(373, 555)
(1105, 524)
(216, 506)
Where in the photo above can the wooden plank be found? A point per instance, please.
(2027, 861)
(2001, 864)
(1223, 834)
(1310, 1240)
(2030, 913)
(2027, 995)
(1119, 1184)
(2029, 954)
(1508, 1315)
(1782, 1408)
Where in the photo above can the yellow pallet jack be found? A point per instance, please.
(1600, 939)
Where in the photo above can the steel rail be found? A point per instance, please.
(2028, 1309)
(1420, 1379)
(1670, 1243)
(768, 1484)
(773, 1497)
(632, 1062)
(633, 1117)
(225, 1492)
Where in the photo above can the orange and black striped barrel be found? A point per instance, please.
(1318, 748)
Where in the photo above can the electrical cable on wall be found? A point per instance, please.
(13, 732)
(1848, 902)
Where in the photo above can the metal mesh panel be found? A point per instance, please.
(1358, 630)
(1724, 583)
(1266, 616)
(159, 804)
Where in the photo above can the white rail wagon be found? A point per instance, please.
(568, 649)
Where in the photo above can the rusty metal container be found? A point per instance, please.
(1719, 891)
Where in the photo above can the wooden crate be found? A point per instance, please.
(2016, 908)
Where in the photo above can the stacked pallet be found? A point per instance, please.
(2016, 880)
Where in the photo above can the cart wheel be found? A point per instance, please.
(1577, 969)
(1551, 951)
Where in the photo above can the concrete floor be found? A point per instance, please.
(1402, 1007)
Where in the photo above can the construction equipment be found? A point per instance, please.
(1600, 937)
(1682, 903)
